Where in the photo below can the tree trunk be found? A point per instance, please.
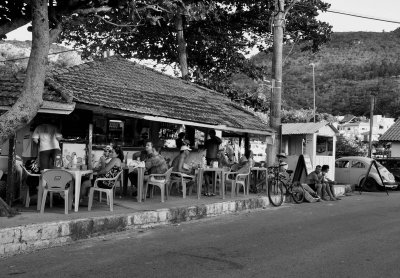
(28, 104)
(276, 101)
(181, 46)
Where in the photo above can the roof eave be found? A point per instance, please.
(51, 107)
(101, 109)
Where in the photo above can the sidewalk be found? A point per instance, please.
(32, 231)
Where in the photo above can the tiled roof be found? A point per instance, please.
(11, 86)
(117, 83)
(392, 134)
(302, 128)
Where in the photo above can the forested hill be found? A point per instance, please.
(347, 70)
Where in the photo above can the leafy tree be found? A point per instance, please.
(350, 147)
(216, 34)
(46, 20)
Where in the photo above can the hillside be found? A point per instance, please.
(347, 70)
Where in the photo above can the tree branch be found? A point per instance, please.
(288, 8)
(115, 24)
(93, 10)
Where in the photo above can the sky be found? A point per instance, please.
(384, 9)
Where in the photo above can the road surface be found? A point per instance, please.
(355, 237)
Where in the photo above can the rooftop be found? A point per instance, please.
(392, 134)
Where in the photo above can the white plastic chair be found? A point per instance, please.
(56, 180)
(109, 191)
(25, 175)
(178, 178)
(160, 183)
(237, 179)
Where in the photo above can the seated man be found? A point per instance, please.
(178, 166)
(314, 180)
(330, 184)
(155, 164)
(142, 156)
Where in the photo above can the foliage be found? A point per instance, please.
(348, 69)
(217, 33)
(350, 147)
(304, 116)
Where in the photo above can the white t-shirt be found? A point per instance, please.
(47, 135)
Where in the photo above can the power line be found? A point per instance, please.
(355, 15)
(23, 58)
(362, 16)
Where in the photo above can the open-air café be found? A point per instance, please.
(116, 102)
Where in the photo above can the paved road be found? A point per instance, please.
(355, 237)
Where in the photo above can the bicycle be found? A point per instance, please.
(278, 187)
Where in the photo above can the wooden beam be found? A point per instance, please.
(103, 110)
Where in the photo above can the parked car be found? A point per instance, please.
(392, 164)
(353, 170)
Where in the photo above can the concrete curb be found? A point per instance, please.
(39, 236)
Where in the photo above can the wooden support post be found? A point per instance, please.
(89, 146)
(155, 133)
(11, 171)
(371, 125)
(190, 135)
(246, 142)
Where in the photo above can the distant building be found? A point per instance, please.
(359, 130)
(392, 135)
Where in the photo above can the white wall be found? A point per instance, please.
(395, 149)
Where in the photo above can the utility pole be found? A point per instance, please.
(276, 93)
(371, 124)
(313, 86)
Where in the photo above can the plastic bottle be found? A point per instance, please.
(74, 161)
(58, 161)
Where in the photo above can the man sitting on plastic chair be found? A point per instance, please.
(182, 174)
(155, 164)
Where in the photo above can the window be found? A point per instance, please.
(342, 164)
(357, 164)
(324, 146)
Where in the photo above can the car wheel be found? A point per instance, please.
(370, 184)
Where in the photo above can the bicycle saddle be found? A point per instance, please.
(289, 172)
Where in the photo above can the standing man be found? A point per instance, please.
(48, 137)
(212, 146)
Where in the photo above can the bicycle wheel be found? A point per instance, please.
(297, 193)
(275, 192)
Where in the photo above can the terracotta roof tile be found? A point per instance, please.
(392, 134)
(121, 84)
(11, 86)
(117, 83)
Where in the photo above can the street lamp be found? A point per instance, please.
(313, 82)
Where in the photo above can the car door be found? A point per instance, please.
(342, 167)
(357, 169)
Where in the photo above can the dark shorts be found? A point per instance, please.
(312, 186)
